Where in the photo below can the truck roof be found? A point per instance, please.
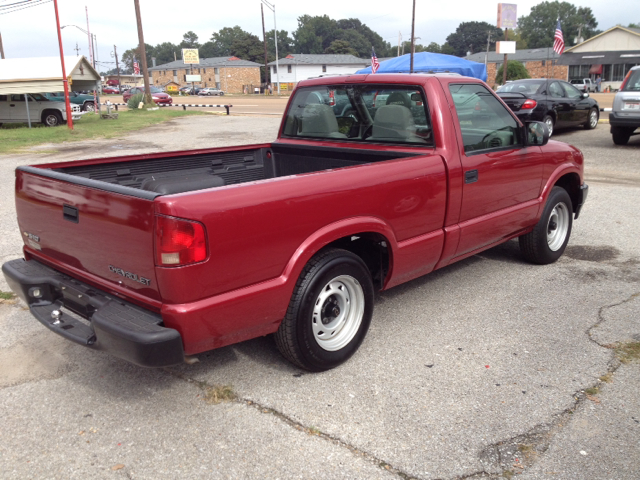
(408, 78)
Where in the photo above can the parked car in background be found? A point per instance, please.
(109, 89)
(624, 118)
(555, 102)
(210, 91)
(158, 95)
(584, 84)
(84, 100)
(41, 110)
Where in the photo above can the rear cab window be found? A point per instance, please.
(355, 113)
(484, 122)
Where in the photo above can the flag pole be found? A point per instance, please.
(65, 81)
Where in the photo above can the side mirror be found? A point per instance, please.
(416, 97)
(537, 133)
(585, 95)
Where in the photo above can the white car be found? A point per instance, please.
(41, 110)
(210, 91)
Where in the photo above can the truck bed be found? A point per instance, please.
(177, 174)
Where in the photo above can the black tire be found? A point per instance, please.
(621, 135)
(592, 119)
(52, 118)
(89, 107)
(335, 283)
(546, 242)
(550, 122)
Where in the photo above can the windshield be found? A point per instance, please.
(633, 84)
(527, 88)
(374, 113)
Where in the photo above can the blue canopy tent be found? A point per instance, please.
(427, 62)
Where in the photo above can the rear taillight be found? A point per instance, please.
(332, 98)
(179, 242)
(529, 103)
(626, 79)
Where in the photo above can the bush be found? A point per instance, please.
(515, 71)
(135, 100)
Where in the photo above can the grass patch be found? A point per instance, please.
(606, 378)
(592, 391)
(14, 139)
(218, 394)
(628, 352)
(6, 295)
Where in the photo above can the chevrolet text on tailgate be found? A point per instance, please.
(374, 180)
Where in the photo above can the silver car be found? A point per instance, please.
(210, 91)
(625, 114)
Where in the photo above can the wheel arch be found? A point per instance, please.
(46, 111)
(369, 238)
(571, 183)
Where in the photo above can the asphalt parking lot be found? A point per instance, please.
(488, 368)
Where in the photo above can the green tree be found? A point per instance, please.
(340, 47)
(223, 40)
(515, 71)
(433, 47)
(164, 52)
(472, 37)
(538, 28)
(285, 44)
(189, 40)
(314, 34)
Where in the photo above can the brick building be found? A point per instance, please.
(230, 74)
(539, 62)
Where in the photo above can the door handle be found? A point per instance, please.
(12, 105)
(471, 176)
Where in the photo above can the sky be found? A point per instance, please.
(31, 32)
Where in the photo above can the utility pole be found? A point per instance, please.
(266, 61)
(147, 90)
(77, 49)
(504, 71)
(399, 42)
(413, 27)
(65, 81)
(486, 57)
(1, 48)
(115, 52)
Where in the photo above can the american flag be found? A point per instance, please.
(375, 65)
(136, 66)
(558, 40)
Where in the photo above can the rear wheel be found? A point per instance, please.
(592, 121)
(621, 135)
(548, 120)
(52, 118)
(546, 242)
(329, 313)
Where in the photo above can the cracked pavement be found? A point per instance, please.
(479, 370)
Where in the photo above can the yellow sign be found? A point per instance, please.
(172, 88)
(284, 86)
(190, 55)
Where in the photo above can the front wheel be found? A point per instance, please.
(546, 242)
(89, 107)
(329, 312)
(548, 120)
(52, 118)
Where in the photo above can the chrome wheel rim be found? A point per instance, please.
(51, 120)
(593, 118)
(90, 107)
(549, 122)
(338, 313)
(557, 227)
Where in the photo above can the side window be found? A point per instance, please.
(3, 98)
(484, 122)
(17, 98)
(555, 90)
(571, 91)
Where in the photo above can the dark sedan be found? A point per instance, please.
(554, 102)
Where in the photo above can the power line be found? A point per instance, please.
(4, 10)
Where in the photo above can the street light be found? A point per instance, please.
(272, 7)
(91, 42)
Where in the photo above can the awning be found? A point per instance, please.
(44, 75)
(595, 69)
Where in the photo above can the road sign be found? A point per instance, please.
(190, 55)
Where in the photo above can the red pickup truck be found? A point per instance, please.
(373, 180)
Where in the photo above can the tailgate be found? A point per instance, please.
(101, 233)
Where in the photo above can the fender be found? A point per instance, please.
(560, 170)
(332, 232)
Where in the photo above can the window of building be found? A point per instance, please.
(185, 78)
(175, 72)
(275, 70)
(544, 63)
(204, 70)
(324, 68)
(288, 68)
(216, 71)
